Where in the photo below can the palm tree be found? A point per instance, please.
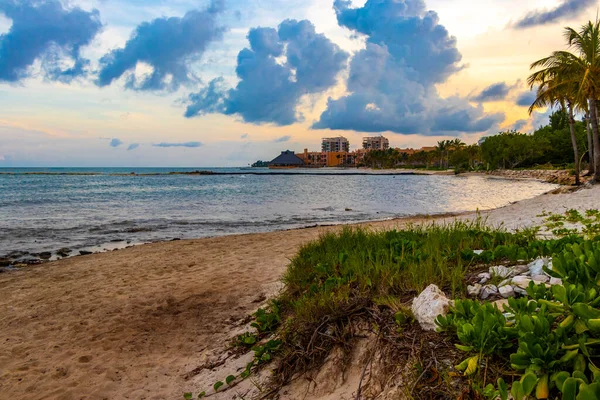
(586, 43)
(581, 68)
(556, 86)
(591, 169)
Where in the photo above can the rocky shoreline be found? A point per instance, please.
(559, 177)
(21, 259)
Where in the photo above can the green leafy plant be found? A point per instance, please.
(481, 330)
(267, 320)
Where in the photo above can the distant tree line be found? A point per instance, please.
(261, 164)
(548, 145)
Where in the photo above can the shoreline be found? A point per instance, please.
(136, 323)
(113, 246)
(18, 259)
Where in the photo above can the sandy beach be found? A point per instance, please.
(135, 323)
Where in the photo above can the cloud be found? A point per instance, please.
(186, 144)
(282, 139)
(392, 82)
(526, 99)
(208, 100)
(48, 32)
(167, 45)
(244, 136)
(133, 146)
(116, 142)
(520, 124)
(280, 67)
(565, 10)
(496, 92)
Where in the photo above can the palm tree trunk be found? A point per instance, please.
(591, 168)
(574, 141)
(595, 139)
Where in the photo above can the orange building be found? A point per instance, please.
(315, 159)
(411, 151)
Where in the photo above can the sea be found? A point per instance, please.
(99, 209)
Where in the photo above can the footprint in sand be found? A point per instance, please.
(85, 359)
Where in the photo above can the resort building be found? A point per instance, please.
(411, 151)
(287, 159)
(332, 158)
(336, 144)
(376, 143)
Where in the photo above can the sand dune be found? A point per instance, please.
(132, 324)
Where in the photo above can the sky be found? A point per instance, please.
(197, 83)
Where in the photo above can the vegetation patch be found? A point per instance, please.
(343, 282)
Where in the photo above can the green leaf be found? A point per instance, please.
(230, 379)
(589, 392)
(217, 386)
(569, 356)
(201, 395)
(517, 391)
(528, 381)
(188, 396)
(569, 389)
(250, 340)
(502, 389)
(463, 348)
(559, 379)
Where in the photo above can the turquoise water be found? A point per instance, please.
(106, 210)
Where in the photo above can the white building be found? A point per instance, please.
(336, 144)
(376, 143)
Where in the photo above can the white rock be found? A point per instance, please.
(520, 291)
(537, 279)
(521, 281)
(484, 277)
(501, 304)
(519, 270)
(478, 252)
(506, 291)
(556, 281)
(474, 290)
(536, 267)
(500, 271)
(488, 290)
(505, 282)
(428, 305)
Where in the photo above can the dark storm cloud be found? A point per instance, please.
(45, 31)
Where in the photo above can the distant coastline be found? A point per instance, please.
(266, 172)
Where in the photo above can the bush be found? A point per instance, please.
(553, 337)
